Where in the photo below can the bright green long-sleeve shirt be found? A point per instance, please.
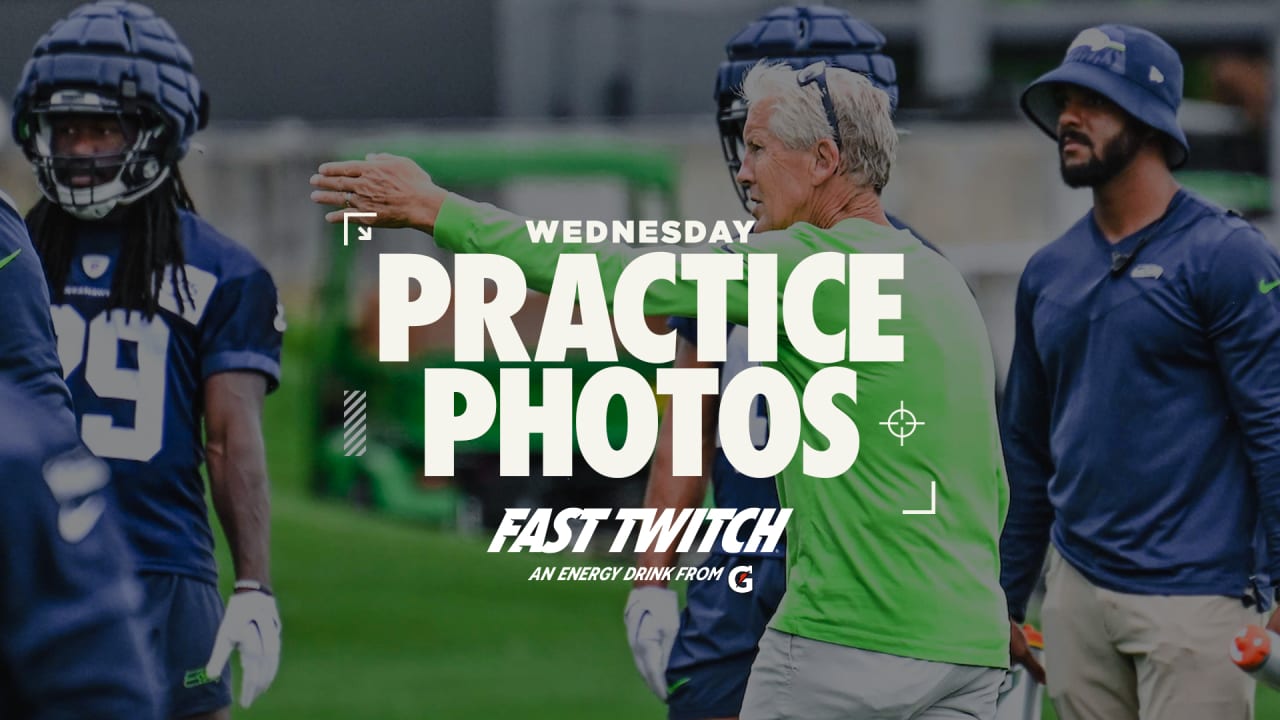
(859, 572)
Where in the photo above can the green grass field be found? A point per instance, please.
(384, 620)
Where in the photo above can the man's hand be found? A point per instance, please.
(652, 618)
(1020, 653)
(400, 192)
(252, 624)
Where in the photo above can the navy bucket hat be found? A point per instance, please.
(1129, 66)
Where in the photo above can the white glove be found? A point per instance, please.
(252, 624)
(653, 619)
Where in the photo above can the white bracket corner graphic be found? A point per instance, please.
(933, 502)
(365, 233)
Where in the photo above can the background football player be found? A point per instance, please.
(162, 323)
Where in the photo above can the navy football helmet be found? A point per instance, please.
(799, 36)
(117, 59)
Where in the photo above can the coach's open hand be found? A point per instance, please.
(400, 192)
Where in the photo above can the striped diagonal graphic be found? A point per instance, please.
(354, 422)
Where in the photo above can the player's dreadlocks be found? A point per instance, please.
(152, 245)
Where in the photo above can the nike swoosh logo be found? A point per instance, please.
(75, 475)
(6, 260)
(677, 685)
(1264, 287)
(75, 523)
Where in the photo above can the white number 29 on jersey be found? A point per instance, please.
(97, 344)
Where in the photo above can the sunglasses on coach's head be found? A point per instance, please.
(817, 72)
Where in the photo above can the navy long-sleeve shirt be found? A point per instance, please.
(70, 644)
(1141, 420)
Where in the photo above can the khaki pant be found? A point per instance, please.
(1116, 656)
(796, 678)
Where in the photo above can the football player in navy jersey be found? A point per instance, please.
(70, 642)
(169, 336)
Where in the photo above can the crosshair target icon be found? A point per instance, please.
(902, 423)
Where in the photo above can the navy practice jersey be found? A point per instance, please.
(730, 488)
(137, 384)
(898, 223)
(28, 358)
(70, 646)
(1142, 411)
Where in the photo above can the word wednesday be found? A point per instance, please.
(485, 291)
(643, 232)
(658, 530)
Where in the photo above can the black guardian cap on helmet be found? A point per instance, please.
(111, 58)
(797, 36)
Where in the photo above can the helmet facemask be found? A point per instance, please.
(731, 119)
(91, 186)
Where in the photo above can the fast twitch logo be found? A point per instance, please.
(641, 529)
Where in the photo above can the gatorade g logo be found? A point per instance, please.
(740, 579)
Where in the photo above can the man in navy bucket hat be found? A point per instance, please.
(1129, 66)
(1140, 428)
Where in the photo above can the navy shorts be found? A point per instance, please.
(181, 616)
(720, 632)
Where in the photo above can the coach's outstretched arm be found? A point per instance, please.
(394, 187)
(404, 195)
